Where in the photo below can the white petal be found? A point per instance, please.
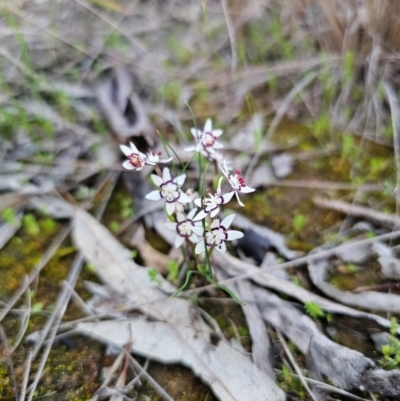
(208, 126)
(232, 234)
(157, 180)
(150, 163)
(194, 238)
(221, 248)
(219, 185)
(170, 225)
(180, 217)
(238, 199)
(140, 167)
(200, 247)
(227, 197)
(191, 214)
(170, 207)
(126, 164)
(198, 230)
(184, 198)
(215, 223)
(247, 189)
(202, 214)
(134, 149)
(190, 148)
(166, 175)
(125, 150)
(218, 145)
(225, 170)
(227, 221)
(214, 212)
(217, 132)
(196, 133)
(179, 241)
(180, 179)
(197, 202)
(154, 195)
(166, 160)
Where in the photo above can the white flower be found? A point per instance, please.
(136, 160)
(217, 235)
(152, 158)
(211, 205)
(193, 196)
(237, 182)
(169, 190)
(186, 228)
(206, 141)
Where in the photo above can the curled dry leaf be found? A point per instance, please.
(367, 300)
(348, 369)
(389, 263)
(235, 267)
(178, 333)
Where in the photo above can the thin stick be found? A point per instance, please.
(154, 384)
(24, 319)
(387, 220)
(10, 364)
(295, 365)
(26, 376)
(231, 34)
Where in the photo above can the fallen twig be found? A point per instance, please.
(387, 220)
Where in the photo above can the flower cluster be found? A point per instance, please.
(196, 218)
(137, 160)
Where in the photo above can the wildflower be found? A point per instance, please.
(169, 190)
(193, 196)
(206, 141)
(211, 205)
(217, 235)
(237, 182)
(186, 228)
(136, 160)
(152, 158)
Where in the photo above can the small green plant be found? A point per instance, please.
(322, 124)
(30, 224)
(351, 268)
(299, 222)
(48, 225)
(114, 226)
(9, 216)
(126, 208)
(348, 66)
(173, 270)
(37, 307)
(348, 146)
(154, 275)
(315, 311)
(289, 383)
(391, 351)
